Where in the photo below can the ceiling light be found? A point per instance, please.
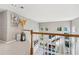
(17, 6)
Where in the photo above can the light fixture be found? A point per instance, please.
(17, 6)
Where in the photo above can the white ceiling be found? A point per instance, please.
(47, 12)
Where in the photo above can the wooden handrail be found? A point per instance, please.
(57, 34)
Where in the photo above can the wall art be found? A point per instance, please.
(14, 19)
(59, 28)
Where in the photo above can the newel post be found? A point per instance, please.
(31, 48)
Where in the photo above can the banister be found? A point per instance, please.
(53, 34)
(57, 34)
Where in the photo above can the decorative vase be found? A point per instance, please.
(23, 36)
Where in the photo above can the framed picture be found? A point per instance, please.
(41, 29)
(65, 29)
(14, 19)
(46, 29)
(59, 28)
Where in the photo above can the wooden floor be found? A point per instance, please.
(14, 48)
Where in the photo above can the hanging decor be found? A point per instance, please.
(65, 29)
(41, 29)
(59, 28)
(46, 29)
(14, 19)
(22, 23)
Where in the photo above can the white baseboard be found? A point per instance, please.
(10, 41)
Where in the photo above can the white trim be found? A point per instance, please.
(10, 41)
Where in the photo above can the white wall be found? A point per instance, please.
(7, 31)
(52, 26)
(3, 26)
(75, 24)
